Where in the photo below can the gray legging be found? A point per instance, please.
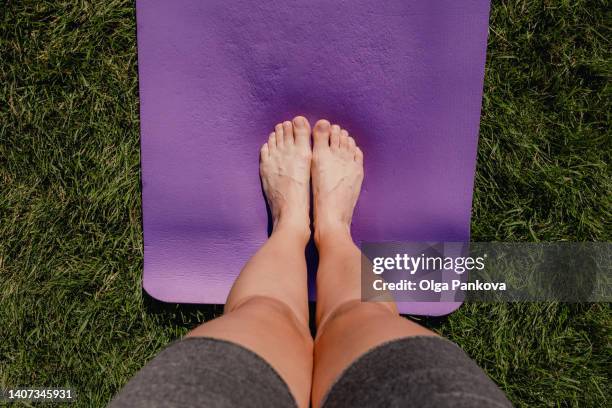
(409, 372)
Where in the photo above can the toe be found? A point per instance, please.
(351, 144)
(288, 132)
(334, 142)
(301, 130)
(321, 134)
(272, 141)
(344, 139)
(264, 153)
(358, 155)
(279, 135)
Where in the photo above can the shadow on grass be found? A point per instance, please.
(180, 314)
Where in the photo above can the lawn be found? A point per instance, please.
(71, 308)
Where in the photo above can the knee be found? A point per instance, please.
(265, 305)
(271, 311)
(354, 310)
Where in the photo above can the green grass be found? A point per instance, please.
(71, 308)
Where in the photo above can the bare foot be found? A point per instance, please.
(285, 173)
(337, 173)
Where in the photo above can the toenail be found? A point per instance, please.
(323, 124)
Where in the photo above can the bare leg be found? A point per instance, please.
(346, 327)
(267, 308)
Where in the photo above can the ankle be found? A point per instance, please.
(299, 230)
(327, 233)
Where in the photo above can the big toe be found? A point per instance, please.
(301, 128)
(321, 133)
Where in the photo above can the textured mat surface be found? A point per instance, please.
(405, 78)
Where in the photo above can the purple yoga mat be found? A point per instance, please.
(404, 77)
